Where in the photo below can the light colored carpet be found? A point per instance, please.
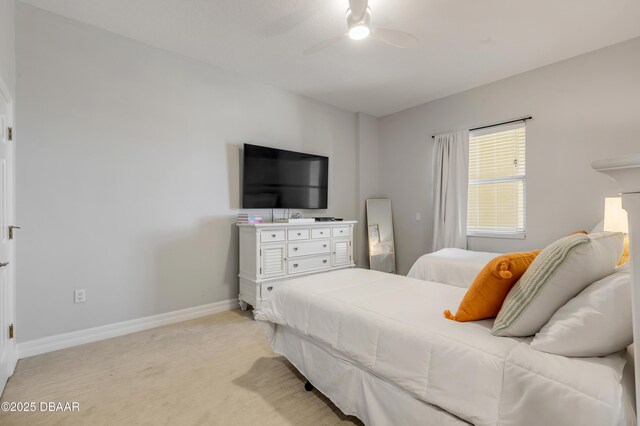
(217, 370)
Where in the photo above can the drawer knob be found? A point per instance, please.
(273, 235)
(324, 261)
(321, 233)
(299, 234)
(295, 265)
(324, 246)
(270, 288)
(295, 249)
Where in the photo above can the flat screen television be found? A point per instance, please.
(279, 179)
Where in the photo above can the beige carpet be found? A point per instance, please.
(217, 370)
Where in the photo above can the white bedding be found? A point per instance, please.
(451, 266)
(393, 327)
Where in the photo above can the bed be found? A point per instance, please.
(456, 266)
(451, 266)
(377, 345)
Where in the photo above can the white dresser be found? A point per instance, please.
(271, 253)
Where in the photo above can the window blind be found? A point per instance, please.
(496, 200)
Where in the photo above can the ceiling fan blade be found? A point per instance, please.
(358, 8)
(323, 45)
(394, 37)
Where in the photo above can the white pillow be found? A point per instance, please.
(597, 322)
(598, 228)
(561, 271)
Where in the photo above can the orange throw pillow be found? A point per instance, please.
(625, 251)
(487, 292)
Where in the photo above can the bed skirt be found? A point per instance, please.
(355, 391)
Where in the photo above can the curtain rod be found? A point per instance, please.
(497, 124)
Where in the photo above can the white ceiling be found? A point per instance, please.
(463, 43)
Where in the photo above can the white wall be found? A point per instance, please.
(368, 183)
(584, 108)
(7, 44)
(128, 173)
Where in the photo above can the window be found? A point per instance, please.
(496, 201)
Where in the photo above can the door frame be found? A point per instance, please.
(8, 365)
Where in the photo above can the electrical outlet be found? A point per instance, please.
(79, 296)
(418, 216)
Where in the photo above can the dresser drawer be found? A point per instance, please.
(297, 234)
(305, 248)
(267, 289)
(320, 232)
(298, 266)
(341, 231)
(270, 236)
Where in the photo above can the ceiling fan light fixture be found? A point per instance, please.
(359, 26)
(359, 32)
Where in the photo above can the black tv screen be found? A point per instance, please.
(278, 179)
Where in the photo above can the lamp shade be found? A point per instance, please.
(615, 217)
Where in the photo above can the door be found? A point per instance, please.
(7, 291)
(341, 254)
(272, 260)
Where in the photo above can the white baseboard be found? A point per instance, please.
(80, 337)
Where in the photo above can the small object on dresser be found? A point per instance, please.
(248, 218)
(302, 220)
(325, 219)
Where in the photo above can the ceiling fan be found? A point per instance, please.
(358, 19)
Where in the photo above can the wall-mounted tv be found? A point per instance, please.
(279, 179)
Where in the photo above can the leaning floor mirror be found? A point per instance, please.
(382, 253)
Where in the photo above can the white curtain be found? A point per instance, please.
(451, 154)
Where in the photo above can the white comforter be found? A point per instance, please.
(451, 266)
(393, 327)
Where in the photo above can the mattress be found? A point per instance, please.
(452, 266)
(393, 328)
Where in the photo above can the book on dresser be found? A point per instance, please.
(248, 218)
(271, 253)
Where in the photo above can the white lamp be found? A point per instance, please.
(615, 217)
(616, 220)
